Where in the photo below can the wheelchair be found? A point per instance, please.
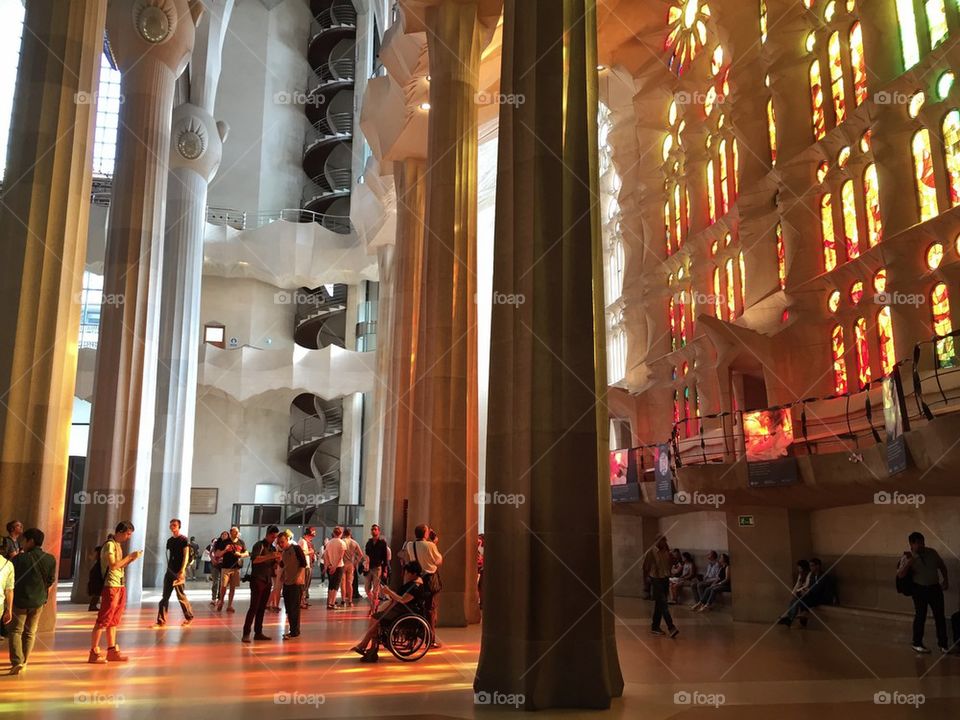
(408, 637)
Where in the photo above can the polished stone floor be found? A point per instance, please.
(715, 669)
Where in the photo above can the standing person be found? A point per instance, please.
(924, 566)
(480, 541)
(376, 562)
(35, 572)
(656, 565)
(352, 556)
(306, 544)
(178, 557)
(333, 552)
(428, 557)
(194, 564)
(263, 560)
(276, 591)
(10, 544)
(113, 598)
(6, 594)
(231, 551)
(215, 566)
(294, 566)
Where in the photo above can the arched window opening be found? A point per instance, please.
(863, 352)
(871, 193)
(943, 325)
(828, 237)
(839, 363)
(816, 99)
(923, 175)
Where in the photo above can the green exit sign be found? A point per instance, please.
(746, 521)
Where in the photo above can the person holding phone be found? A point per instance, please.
(113, 598)
(231, 552)
(925, 566)
(263, 558)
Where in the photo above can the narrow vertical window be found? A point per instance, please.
(816, 99)
(763, 21)
(871, 192)
(672, 316)
(836, 78)
(677, 223)
(731, 291)
(951, 150)
(735, 163)
(862, 352)
(717, 294)
(839, 364)
(936, 21)
(724, 189)
(907, 22)
(942, 325)
(923, 174)
(682, 317)
(851, 232)
(858, 64)
(829, 238)
(781, 258)
(743, 280)
(772, 131)
(668, 228)
(711, 192)
(888, 359)
(686, 410)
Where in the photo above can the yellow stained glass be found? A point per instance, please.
(711, 193)
(677, 225)
(936, 21)
(888, 356)
(863, 352)
(828, 237)
(942, 325)
(717, 294)
(668, 228)
(731, 293)
(951, 151)
(880, 281)
(743, 280)
(858, 64)
(836, 78)
(923, 175)
(833, 302)
(907, 22)
(722, 165)
(839, 363)
(735, 161)
(781, 258)
(856, 292)
(772, 131)
(871, 192)
(763, 21)
(816, 99)
(851, 233)
(934, 256)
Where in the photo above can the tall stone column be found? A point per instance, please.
(550, 635)
(43, 239)
(151, 41)
(195, 154)
(445, 477)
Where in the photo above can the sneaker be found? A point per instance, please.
(657, 631)
(921, 650)
(245, 639)
(358, 650)
(674, 631)
(695, 606)
(261, 636)
(945, 651)
(157, 626)
(230, 608)
(290, 636)
(96, 657)
(370, 657)
(17, 669)
(114, 655)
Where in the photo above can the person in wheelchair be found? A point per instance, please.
(409, 601)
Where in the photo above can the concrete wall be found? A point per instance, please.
(252, 311)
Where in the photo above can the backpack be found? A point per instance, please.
(905, 584)
(95, 580)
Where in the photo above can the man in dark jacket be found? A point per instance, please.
(36, 571)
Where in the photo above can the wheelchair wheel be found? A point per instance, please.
(409, 638)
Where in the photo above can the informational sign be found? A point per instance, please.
(663, 473)
(773, 473)
(746, 521)
(203, 500)
(895, 423)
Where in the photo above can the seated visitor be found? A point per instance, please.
(676, 563)
(688, 574)
(722, 584)
(410, 599)
(800, 590)
(710, 574)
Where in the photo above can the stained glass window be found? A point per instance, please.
(781, 258)
(672, 313)
(839, 363)
(717, 294)
(682, 312)
(907, 22)
(833, 302)
(686, 410)
(677, 216)
(942, 325)
(888, 357)
(724, 188)
(743, 280)
(816, 99)
(836, 77)
(880, 283)
(711, 192)
(871, 192)
(851, 233)
(735, 162)
(668, 227)
(676, 407)
(763, 21)
(934, 256)
(687, 34)
(923, 174)
(829, 239)
(936, 21)
(858, 63)
(951, 150)
(856, 292)
(731, 291)
(863, 352)
(945, 84)
(772, 131)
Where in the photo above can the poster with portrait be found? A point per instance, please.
(767, 434)
(623, 476)
(895, 423)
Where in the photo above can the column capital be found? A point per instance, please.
(415, 15)
(197, 141)
(159, 30)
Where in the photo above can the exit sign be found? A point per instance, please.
(746, 521)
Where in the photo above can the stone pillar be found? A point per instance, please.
(151, 42)
(408, 299)
(43, 240)
(195, 154)
(444, 481)
(550, 636)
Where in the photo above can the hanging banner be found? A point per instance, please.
(663, 473)
(623, 476)
(767, 434)
(895, 422)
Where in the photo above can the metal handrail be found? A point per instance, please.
(333, 17)
(340, 69)
(335, 125)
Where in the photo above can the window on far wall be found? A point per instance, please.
(215, 334)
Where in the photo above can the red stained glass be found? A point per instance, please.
(672, 313)
(851, 232)
(951, 151)
(682, 319)
(863, 352)
(858, 63)
(828, 236)
(772, 131)
(816, 99)
(717, 294)
(885, 337)
(781, 258)
(839, 363)
(923, 175)
(942, 325)
(871, 192)
(836, 78)
(731, 296)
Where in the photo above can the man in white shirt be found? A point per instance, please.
(352, 556)
(426, 553)
(6, 591)
(333, 553)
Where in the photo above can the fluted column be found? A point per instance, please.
(151, 41)
(43, 238)
(444, 480)
(195, 154)
(549, 634)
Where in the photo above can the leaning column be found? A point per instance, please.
(151, 42)
(43, 240)
(548, 631)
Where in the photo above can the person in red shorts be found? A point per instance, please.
(113, 598)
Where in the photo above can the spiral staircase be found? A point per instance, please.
(328, 146)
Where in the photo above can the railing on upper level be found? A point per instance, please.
(332, 125)
(253, 518)
(338, 69)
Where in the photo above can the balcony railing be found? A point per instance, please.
(331, 126)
